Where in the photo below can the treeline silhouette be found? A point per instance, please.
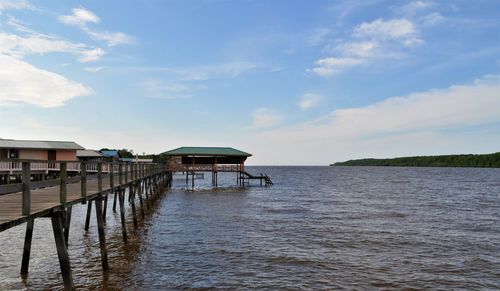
(476, 161)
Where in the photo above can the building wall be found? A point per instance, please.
(30, 154)
(66, 155)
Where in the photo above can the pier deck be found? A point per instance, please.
(45, 201)
(26, 201)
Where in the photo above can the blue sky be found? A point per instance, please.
(293, 82)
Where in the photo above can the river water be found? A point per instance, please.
(316, 228)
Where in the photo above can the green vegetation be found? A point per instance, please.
(477, 161)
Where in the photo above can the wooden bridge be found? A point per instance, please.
(24, 202)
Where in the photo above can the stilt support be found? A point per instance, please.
(121, 198)
(102, 236)
(62, 250)
(89, 211)
(27, 246)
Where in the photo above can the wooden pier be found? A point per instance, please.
(24, 202)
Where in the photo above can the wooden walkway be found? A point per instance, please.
(24, 202)
(45, 201)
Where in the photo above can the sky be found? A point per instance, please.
(292, 82)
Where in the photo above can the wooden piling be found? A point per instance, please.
(89, 211)
(67, 223)
(62, 250)
(102, 236)
(27, 246)
(132, 205)
(121, 198)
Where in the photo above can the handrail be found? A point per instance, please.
(103, 170)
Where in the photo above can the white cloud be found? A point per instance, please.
(94, 69)
(79, 17)
(395, 29)
(318, 36)
(163, 90)
(330, 66)
(265, 117)
(20, 82)
(426, 114)
(111, 38)
(309, 100)
(19, 46)
(433, 18)
(14, 4)
(369, 41)
(202, 73)
(414, 7)
(91, 55)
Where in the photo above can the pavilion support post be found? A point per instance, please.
(27, 246)
(87, 218)
(62, 250)
(102, 235)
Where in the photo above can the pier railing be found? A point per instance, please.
(202, 168)
(115, 174)
(15, 166)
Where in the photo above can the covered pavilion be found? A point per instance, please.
(211, 159)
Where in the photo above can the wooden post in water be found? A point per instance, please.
(26, 199)
(62, 250)
(102, 236)
(87, 218)
(67, 222)
(27, 246)
(121, 200)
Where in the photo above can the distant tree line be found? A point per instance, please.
(476, 161)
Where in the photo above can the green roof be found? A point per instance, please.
(39, 144)
(206, 151)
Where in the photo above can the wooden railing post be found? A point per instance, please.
(64, 179)
(111, 176)
(83, 174)
(120, 174)
(99, 177)
(26, 199)
(126, 173)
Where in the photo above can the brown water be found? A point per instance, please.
(316, 228)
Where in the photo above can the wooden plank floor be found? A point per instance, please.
(46, 200)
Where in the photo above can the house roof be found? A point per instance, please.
(39, 144)
(88, 154)
(206, 151)
(110, 153)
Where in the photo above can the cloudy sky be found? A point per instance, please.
(293, 82)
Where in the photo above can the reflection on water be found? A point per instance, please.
(318, 227)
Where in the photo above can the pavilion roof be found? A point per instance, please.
(207, 151)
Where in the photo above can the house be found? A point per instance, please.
(110, 155)
(88, 155)
(39, 150)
